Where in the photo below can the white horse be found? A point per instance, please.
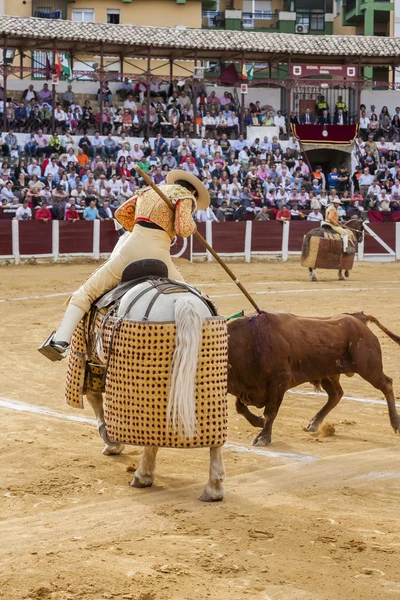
(188, 312)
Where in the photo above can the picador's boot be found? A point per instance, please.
(57, 344)
(54, 350)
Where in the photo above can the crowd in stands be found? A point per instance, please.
(71, 172)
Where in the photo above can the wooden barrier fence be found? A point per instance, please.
(20, 240)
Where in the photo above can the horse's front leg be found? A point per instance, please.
(144, 475)
(214, 489)
(95, 400)
(341, 277)
(313, 274)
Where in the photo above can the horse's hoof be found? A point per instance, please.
(313, 278)
(142, 483)
(341, 278)
(113, 450)
(217, 497)
(347, 273)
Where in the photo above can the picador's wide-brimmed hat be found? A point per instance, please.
(203, 197)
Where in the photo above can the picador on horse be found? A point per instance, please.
(153, 344)
(332, 246)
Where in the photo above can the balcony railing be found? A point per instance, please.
(260, 19)
(57, 9)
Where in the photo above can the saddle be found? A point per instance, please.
(154, 271)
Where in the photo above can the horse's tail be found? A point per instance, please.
(305, 250)
(181, 409)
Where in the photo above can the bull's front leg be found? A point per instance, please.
(272, 404)
(144, 475)
(254, 420)
(214, 489)
(95, 400)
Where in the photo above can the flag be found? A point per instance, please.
(57, 68)
(250, 73)
(244, 72)
(48, 68)
(229, 75)
(66, 68)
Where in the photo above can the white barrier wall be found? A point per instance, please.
(389, 98)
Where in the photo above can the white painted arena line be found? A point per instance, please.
(311, 290)
(314, 290)
(46, 412)
(350, 398)
(35, 297)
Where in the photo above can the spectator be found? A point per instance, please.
(24, 213)
(315, 216)
(69, 97)
(91, 212)
(125, 89)
(72, 214)
(45, 94)
(43, 213)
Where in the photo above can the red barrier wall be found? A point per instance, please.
(228, 237)
(266, 236)
(35, 237)
(108, 236)
(197, 247)
(5, 238)
(386, 231)
(76, 237)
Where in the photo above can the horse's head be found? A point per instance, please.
(357, 226)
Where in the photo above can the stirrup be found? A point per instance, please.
(54, 350)
(349, 250)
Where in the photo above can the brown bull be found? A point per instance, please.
(273, 352)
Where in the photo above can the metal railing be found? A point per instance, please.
(56, 9)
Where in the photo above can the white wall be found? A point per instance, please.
(270, 96)
(390, 98)
(264, 95)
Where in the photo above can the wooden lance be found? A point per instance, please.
(198, 236)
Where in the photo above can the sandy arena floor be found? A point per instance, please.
(309, 517)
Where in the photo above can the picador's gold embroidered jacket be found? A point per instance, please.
(147, 205)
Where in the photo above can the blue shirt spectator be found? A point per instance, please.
(91, 213)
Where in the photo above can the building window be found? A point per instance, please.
(113, 16)
(85, 15)
(39, 62)
(257, 9)
(312, 20)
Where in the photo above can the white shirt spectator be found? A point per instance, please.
(366, 179)
(364, 122)
(59, 115)
(23, 213)
(205, 215)
(51, 169)
(34, 170)
(315, 204)
(279, 121)
(374, 188)
(243, 157)
(130, 104)
(315, 216)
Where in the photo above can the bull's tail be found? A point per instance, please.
(370, 319)
(181, 410)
